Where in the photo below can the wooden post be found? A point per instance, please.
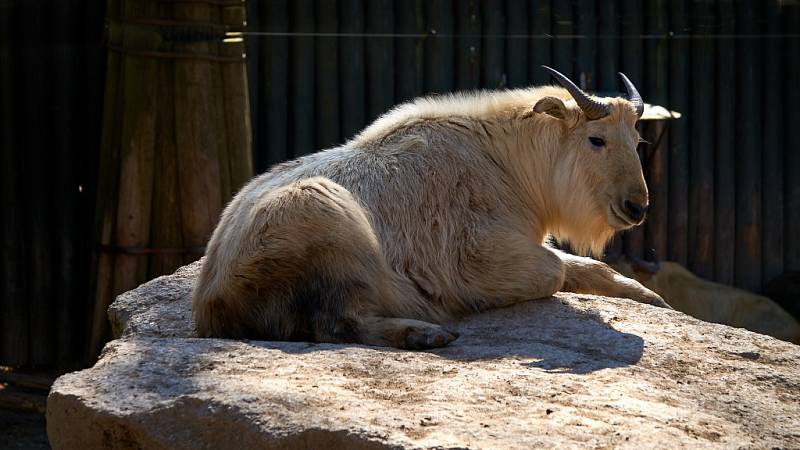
(327, 81)
(725, 155)
(517, 47)
(494, 57)
(439, 53)
(468, 45)
(772, 241)
(678, 135)
(380, 58)
(303, 72)
(656, 234)
(352, 69)
(791, 157)
(409, 52)
(540, 18)
(748, 150)
(586, 47)
(563, 25)
(175, 144)
(701, 193)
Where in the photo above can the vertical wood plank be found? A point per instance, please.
(102, 280)
(631, 62)
(195, 138)
(748, 157)
(380, 57)
(165, 231)
(517, 47)
(725, 156)
(679, 133)
(468, 45)
(563, 42)
(608, 44)
(655, 90)
(772, 154)
(439, 52)
(791, 141)
(409, 55)
(13, 301)
(34, 108)
(253, 52)
(540, 16)
(236, 106)
(302, 83)
(138, 152)
(701, 193)
(217, 111)
(326, 54)
(90, 109)
(493, 46)
(274, 71)
(65, 131)
(352, 83)
(586, 45)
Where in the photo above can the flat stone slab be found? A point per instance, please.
(569, 371)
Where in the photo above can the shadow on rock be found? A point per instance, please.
(547, 334)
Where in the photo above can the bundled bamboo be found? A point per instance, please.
(176, 140)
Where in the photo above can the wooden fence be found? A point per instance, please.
(725, 194)
(52, 65)
(725, 186)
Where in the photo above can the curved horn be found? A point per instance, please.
(592, 108)
(633, 95)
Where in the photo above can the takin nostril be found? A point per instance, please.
(635, 210)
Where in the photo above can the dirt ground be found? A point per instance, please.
(20, 430)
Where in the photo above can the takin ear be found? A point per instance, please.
(551, 106)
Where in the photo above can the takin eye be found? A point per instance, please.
(597, 142)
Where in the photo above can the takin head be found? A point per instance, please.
(599, 181)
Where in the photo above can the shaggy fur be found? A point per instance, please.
(438, 209)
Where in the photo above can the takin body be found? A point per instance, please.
(440, 208)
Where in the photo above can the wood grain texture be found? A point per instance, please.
(748, 155)
(493, 47)
(326, 51)
(439, 52)
(380, 58)
(409, 51)
(679, 134)
(586, 47)
(274, 72)
(353, 80)
(303, 73)
(772, 243)
(725, 151)
(540, 17)
(655, 90)
(791, 142)
(563, 24)
(468, 45)
(701, 193)
(517, 48)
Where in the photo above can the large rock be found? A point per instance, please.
(572, 370)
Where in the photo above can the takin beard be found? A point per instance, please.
(578, 220)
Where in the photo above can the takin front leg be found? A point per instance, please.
(508, 267)
(588, 276)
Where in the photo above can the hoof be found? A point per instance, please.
(434, 336)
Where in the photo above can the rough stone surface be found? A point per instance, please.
(568, 371)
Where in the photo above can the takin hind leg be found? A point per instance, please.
(314, 272)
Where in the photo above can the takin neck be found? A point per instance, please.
(556, 200)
